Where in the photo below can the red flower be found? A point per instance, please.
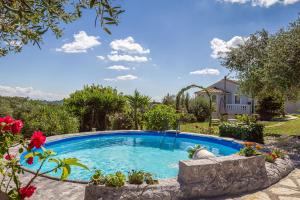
(8, 157)
(29, 160)
(17, 126)
(26, 191)
(6, 123)
(8, 120)
(37, 140)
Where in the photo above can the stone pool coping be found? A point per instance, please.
(178, 188)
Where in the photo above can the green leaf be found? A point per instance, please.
(92, 3)
(75, 162)
(29, 155)
(66, 170)
(107, 30)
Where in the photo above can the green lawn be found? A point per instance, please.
(193, 127)
(291, 127)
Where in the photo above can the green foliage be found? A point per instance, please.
(115, 180)
(50, 118)
(250, 132)
(93, 104)
(161, 117)
(191, 151)
(248, 152)
(279, 153)
(270, 158)
(121, 121)
(23, 22)
(98, 178)
(267, 63)
(149, 179)
(169, 100)
(136, 177)
(246, 119)
(139, 104)
(269, 106)
(200, 108)
(187, 118)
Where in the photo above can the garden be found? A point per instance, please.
(110, 145)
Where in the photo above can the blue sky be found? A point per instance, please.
(159, 47)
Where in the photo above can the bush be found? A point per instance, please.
(50, 118)
(200, 108)
(136, 177)
(115, 180)
(121, 121)
(161, 117)
(270, 106)
(250, 132)
(98, 178)
(187, 118)
(246, 119)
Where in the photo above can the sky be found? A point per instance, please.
(158, 48)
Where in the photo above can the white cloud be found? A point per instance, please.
(221, 47)
(118, 67)
(128, 45)
(262, 3)
(206, 71)
(82, 42)
(101, 57)
(29, 92)
(122, 78)
(127, 58)
(127, 77)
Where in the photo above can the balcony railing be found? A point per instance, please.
(238, 109)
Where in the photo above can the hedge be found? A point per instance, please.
(249, 132)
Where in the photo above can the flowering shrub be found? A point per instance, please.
(11, 185)
(253, 149)
(250, 149)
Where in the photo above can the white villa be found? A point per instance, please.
(234, 102)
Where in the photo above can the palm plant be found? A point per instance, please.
(138, 103)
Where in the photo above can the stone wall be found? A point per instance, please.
(202, 178)
(223, 175)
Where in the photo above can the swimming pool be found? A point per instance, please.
(153, 152)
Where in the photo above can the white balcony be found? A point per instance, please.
(238, 109)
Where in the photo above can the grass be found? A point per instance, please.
(291, 127)
(193, 127)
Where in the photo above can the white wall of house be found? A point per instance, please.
(236, 103)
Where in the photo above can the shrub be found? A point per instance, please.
(98, 178)
(136, 177)
(52, 119)
(149, 179)
(250, 132)
(191, 151)
(121, 121)
(269, 106)
(250, 149)
(200, 108)
(187, 118)
(246, 119)
(115, 180)
(161, 117)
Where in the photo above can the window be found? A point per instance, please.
(214, 98)
(237, 99)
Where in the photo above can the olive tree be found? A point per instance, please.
(27, 21)
(93, 104)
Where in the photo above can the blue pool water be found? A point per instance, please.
(124, 151)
